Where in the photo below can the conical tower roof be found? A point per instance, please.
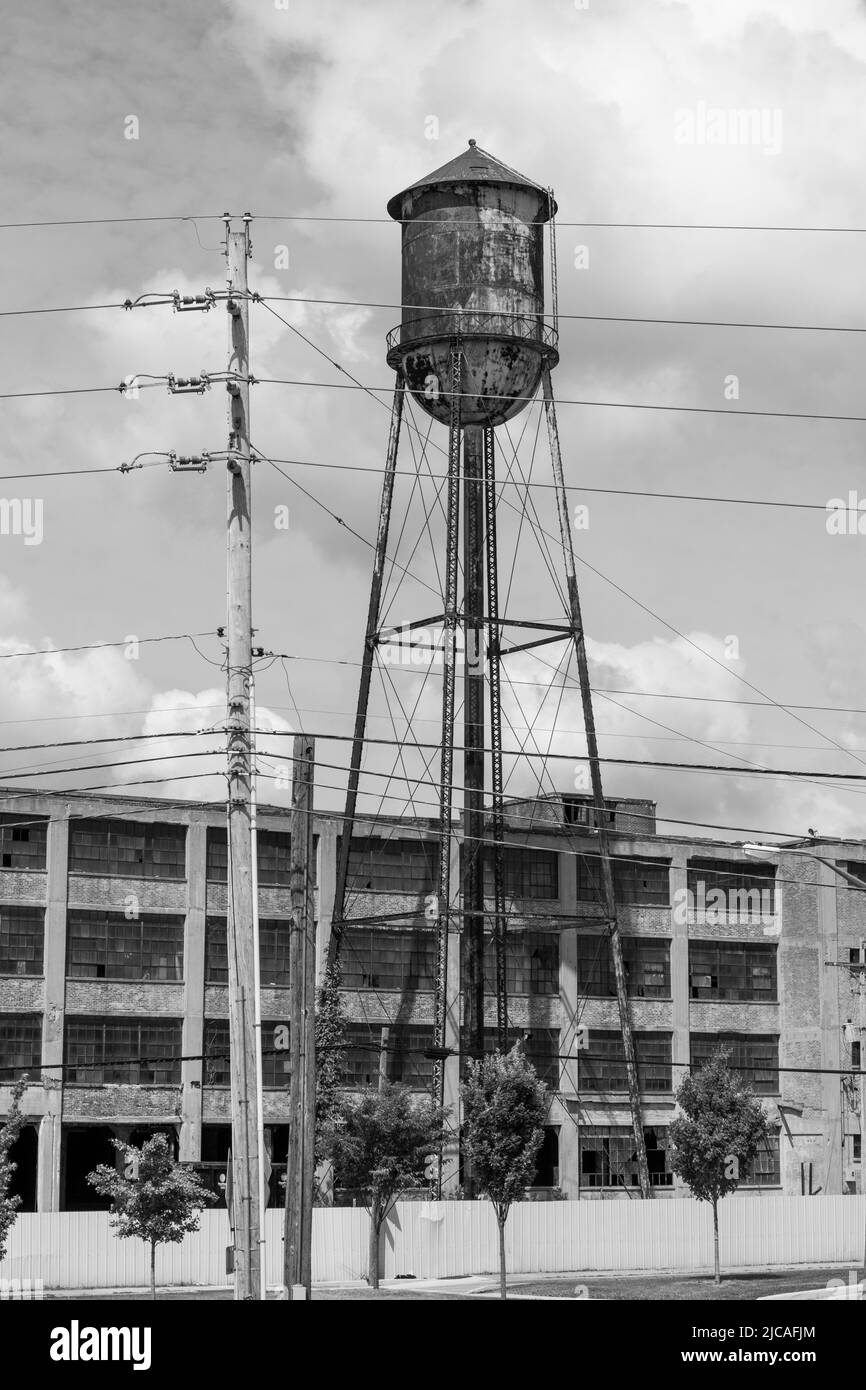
(472, 165)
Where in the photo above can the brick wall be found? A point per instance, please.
(20, 886)
(122, 1104)
(21, 994)
(128, 998)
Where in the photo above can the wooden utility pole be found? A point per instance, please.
(240, 915)
(300, 1170)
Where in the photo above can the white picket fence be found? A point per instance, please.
(77, 1250)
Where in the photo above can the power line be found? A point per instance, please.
(563, 400)
(99, 646)
(394, 221)
(571, 487)
(60, 309)
(439, 309)
(581, 318)
(612, 690)
(77, 390)
(634, 226)
(110, 221)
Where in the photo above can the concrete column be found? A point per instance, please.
(48, 1160)
(680, 1046)
(680, 986)
(569, 1005)
(326, 876)
(193, 972)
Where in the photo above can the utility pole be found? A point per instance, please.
(302, 1027)
(240, 908)
(257, 1007)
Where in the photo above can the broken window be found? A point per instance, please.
(20, 1047)
(23, 845)
(110, 946)
(117, 1051)
(22, 940)
(127, 849)
(754, 1055)
(647, 963)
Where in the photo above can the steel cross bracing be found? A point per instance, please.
(443, 898)
(500, 924)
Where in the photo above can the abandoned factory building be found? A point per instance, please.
(113, 983)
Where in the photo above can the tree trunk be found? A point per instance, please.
(501, 1220)
(373, 1258)
(718, 1277)
(153, 1270)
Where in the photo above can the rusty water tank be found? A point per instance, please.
(473, 268)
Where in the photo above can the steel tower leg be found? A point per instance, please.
(608, 896)
(443, 897)
(500, 925)
(473, 736)
(366, 672)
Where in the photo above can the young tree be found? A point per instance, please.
(8, 1135)
(154, 1198)
(378, 1144)
(721, 1129)
(504, 1105)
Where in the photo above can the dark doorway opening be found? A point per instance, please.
(81, 1151)
(24, 1154)
(547, 1163)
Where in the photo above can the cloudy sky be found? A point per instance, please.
(322, 111)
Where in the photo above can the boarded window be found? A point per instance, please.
(127, 849)
(117, 1051)
(22, 940)
(110, 946)
(23, 843)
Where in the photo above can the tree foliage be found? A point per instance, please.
(721, 1129)
(378, 1143)
(717, 1136)
(330, 1056)
(504, 1106)
(154, 1198)
(8, 1136)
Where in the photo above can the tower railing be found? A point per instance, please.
(487, 323)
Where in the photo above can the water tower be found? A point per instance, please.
(471, 350)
